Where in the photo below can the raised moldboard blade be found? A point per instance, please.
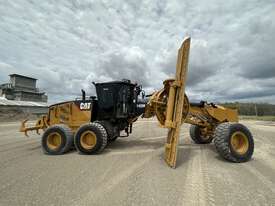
(175, 104)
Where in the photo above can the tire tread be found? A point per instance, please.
(221, 141)
(68, 138)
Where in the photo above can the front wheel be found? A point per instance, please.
(234, 142)
(198, 137)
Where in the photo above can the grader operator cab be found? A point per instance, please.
(88, 124)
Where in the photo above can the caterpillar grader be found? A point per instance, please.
(90, 123)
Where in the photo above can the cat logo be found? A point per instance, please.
(85, 105)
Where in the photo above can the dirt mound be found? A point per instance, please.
(16, 114)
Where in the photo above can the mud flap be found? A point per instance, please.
(175, 104)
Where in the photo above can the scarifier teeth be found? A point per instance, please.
(26, 133)
(23, 127)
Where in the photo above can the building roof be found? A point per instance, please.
(28, 92)
(4, 101)
(18, 75)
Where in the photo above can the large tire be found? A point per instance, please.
(234, 142)
(113, 139)
(90, 138)
(112, 136)
(57, 139)
(197, 137)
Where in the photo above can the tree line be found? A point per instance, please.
(256, 109)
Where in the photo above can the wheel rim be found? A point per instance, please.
(88, 140)
(204, 134)
(54, 140)
(205, 138)
(239, 143)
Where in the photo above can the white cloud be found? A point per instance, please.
(69, 44)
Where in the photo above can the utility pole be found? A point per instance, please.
(256, 111)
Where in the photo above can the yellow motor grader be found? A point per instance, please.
(90, 123)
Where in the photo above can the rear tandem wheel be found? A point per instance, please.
(57, 139)
(90, 138)
(112, 136)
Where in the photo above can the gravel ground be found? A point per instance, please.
(131, 171)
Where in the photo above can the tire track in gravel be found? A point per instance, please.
(20, 146)
(19, 155)
(10, 183)
(37, 162)
(17, 138)
(85, 173)
(15, 142)
(208, 181)
(54, 170)
(106, 186)
(198, 185)
(270, 185)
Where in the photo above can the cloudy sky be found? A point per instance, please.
(67, 44)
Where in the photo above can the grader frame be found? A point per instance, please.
(66, 112)
(170, 105)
